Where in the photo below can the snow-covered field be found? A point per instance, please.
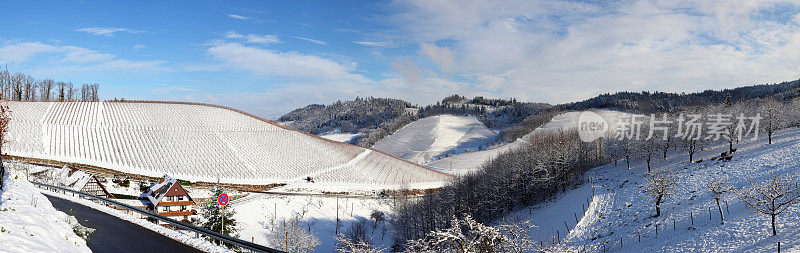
(619, 210)
(199, 143)
(257, 214)
(340, 137)
(430, 138)
(29, 223)
(472, 161)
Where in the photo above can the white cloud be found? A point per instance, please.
(21, 52)
(106, 31)
(565, 51)
(312, 40)
(68, 58)
(443, 56)
(138, 47)
(253, 38)
(239, 17)
(284, 64)
(371, 43)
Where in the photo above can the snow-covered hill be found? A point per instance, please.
(29, 223)
(429, 138)
(471, 161)
(200, 142)
(620, 215)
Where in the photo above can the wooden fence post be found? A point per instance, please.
(691, 217)
(656, 229)
(576, 218)
(565, 225)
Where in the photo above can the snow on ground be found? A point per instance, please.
(471, 161)
(258, 213)
(620, 211)
(430, 138)
(29, 223)
(340, 137)
(184, 237)
(194, 142)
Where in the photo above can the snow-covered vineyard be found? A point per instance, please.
(200, 142)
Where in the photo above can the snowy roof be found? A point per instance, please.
(157, 191)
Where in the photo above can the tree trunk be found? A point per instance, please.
(648, 164)
(628, 161)
(774, 232)
(658, 205)
(769, 136)
(730, 146)
(721, 218)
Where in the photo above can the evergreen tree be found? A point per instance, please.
(219, 219)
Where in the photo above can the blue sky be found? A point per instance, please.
(268, 57)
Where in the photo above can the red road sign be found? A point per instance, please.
(222, 199)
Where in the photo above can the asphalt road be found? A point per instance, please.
(116, 235)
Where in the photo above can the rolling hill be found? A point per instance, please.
(429, 138)
(200, 142)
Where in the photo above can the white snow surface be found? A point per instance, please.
(184, 237)
(29, 223)
(619, 210)
(340, 137)
(471, 161)
(197, 142)
(258, 213)
(430, 138)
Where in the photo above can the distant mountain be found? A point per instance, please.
(357, 116)
(650, 102)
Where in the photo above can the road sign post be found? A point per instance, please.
(223, 201)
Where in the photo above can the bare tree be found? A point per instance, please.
(29, 88)
(691, 145)
(71, 92)
(16, 86)
(518, 239)
(45, 89)
(718, 188)
(464, 235)
(355, 240)
(772, 112)
(61, 94)
(772, 197)
(290, 236)
(649, 149)
(659, 186)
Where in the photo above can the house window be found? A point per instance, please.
(183, 208)
(165, 209)
(180, 198)
(169, 198)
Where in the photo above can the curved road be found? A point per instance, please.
(116, 235)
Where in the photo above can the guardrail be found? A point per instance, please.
(214, 235)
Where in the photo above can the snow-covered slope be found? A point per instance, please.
(257, 215)
(619, 210)
(199, 142)
(29, 223)
(471, 161)
(429, 138)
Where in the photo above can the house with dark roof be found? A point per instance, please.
(168, 198)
